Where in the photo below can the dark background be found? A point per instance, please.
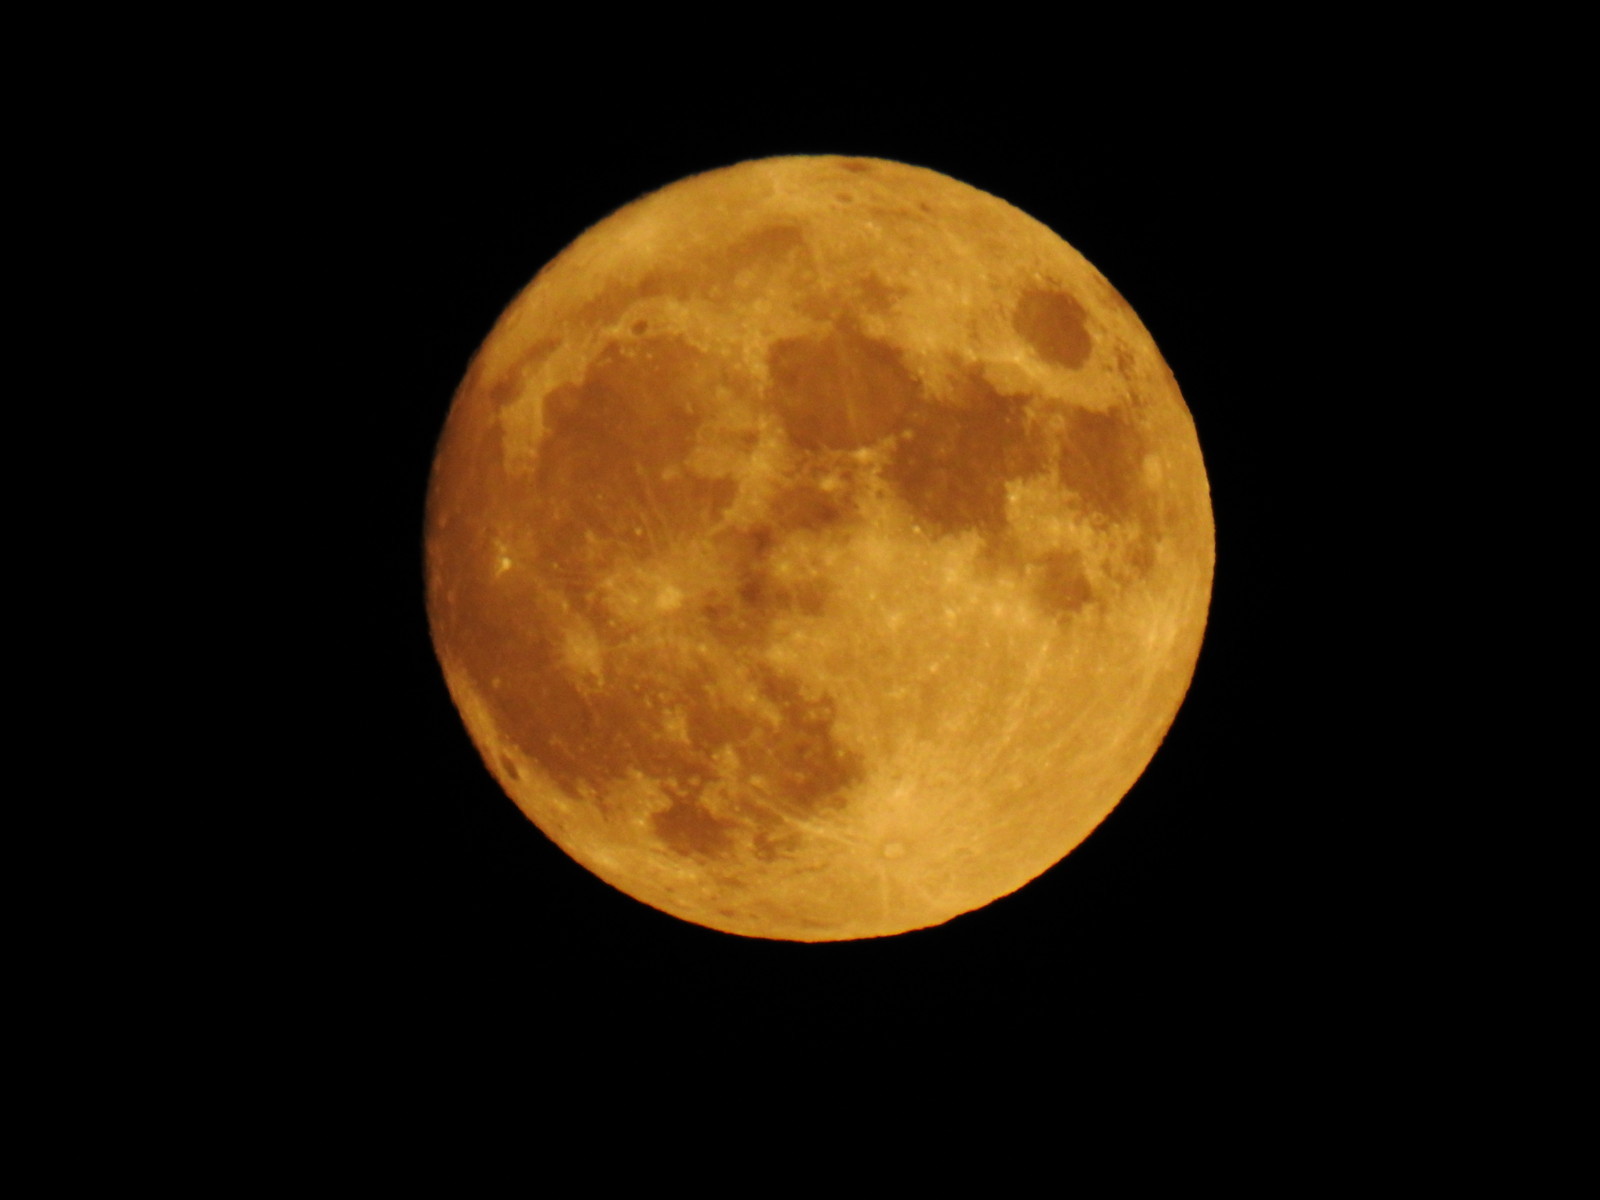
(1220, 900)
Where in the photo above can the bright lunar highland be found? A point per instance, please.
(818, 548)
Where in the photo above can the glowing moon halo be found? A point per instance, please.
(818, 548)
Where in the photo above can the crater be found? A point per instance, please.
(1052, 322)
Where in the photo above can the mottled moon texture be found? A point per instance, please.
(818, 548)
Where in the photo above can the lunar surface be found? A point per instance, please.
(818, 548)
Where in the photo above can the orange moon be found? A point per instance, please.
(818, 548)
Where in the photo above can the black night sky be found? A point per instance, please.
(423, 904)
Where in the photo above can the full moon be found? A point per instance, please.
(818, 548)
